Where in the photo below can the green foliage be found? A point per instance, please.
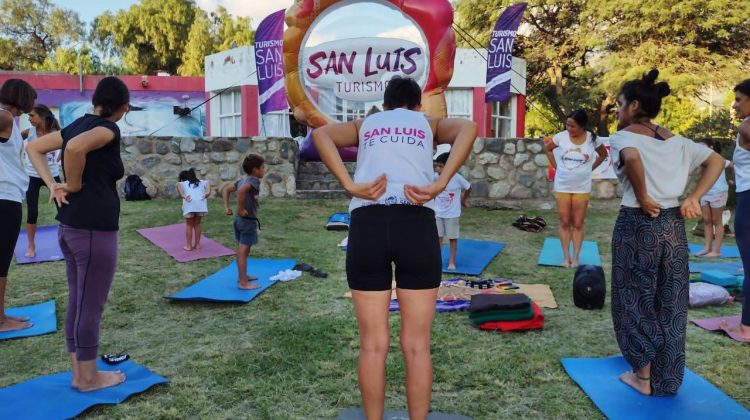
(580, 52)
(31, 30)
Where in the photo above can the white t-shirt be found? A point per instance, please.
(720, 186)
(13, 178)
(448, 202)
(397, 143)
(197, 203)
(741, 160)
(666, 166)
(54, 165)
(575, 163)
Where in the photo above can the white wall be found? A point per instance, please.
(470, 70)
(235, 67)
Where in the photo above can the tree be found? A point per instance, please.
(230, 31)
(71, 61)
(199, 45)
(31, 30)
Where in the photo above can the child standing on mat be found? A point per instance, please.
(246, 223)
(16, 98)
(448, 207)
(712, 208)
(194, 193)
(42, 121)
(89, 214)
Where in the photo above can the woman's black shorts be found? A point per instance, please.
(403, 236)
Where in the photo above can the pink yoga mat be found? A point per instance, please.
(714, 324)
(171, 239)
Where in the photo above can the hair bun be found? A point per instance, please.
(650, 78)
(663, 89)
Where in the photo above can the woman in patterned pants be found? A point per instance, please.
(649, 246)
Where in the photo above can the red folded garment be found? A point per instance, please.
(536, 323)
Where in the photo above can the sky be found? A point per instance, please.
(255, 9)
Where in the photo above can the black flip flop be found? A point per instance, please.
(115, 359)
(303, 267)
(318, 273)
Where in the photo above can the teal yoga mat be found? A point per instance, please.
(552, 253)
(729, 267)
(51, 396)
(42, 315)
(472, 256)
(727, 251)
(222, 285)
(696, 399)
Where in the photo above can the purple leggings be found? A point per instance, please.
(90, 261)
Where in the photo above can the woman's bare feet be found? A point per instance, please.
(702, 252)
(187, 248)
(13, 324)
(101, 380)
(30, 252)
(712, 254)
(197, 246)
(642, 385)
(566, 263)
(451, 266)
(574, 263)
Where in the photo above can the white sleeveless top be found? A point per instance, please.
(13, 178)
(741, 160)
(54, 165)
(397, 143)
(197, 203)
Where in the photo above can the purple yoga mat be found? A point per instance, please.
(714, 324)
(171, 239)
(47, 246)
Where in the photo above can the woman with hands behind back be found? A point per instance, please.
(393, 222)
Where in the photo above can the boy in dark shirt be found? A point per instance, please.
(246, 224)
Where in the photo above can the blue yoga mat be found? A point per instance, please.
(472, 256)
(727, 251)
(221, 286)
(734, 268)
(51, 396)
(47, 246)
(42, 315)
(722, 279)
(696, 399)
(552, 253)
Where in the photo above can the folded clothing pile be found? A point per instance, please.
(505, 312)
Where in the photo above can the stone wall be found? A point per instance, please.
(217, 159)
(512, 173)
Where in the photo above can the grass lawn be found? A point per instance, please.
(291, 353)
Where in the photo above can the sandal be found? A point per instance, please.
(115, 359)
(303, 267)
(318, 273)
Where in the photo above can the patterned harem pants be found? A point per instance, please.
(650, 290)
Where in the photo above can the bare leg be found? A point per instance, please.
(708, 232)
(9, 323)
(188, 234)
(198, 232)
(91, 379)
(564, 209)
(718, 228)
(640, 380)
(242, 278)
(371, 310)
(76, 383)
(31, 235)
(579, 206)
(452, 259)
(417, 314)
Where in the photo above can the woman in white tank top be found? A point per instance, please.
(742, 214)
(393, 223)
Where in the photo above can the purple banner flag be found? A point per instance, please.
(270, 64)
(499, 55)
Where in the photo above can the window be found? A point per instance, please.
(275, 124)
(502, 119)
(230, 113)
(459, 102)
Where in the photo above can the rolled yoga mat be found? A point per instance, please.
(222, 285)
(52, 397)
(171, 239)
(696, 399)
(552, 253)
(41, 315)
(472, 256)
(46, 243)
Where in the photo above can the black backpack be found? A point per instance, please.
(134, 189)
(589, 287)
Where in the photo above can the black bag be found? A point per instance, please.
(134, 189)
(589, 287)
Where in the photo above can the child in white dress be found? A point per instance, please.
(194, 193)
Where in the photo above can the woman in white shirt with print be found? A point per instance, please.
(574, 153)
